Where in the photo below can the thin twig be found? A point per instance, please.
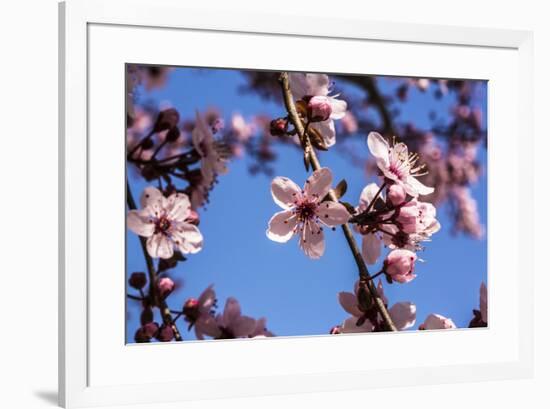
(364, 276)
(159, 301)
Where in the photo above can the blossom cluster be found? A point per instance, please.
(181, 160)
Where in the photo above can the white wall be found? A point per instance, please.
(28, 288)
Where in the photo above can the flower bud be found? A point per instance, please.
(166, 119)
(396, 194)
(408, 217)
(173, 134)
(137, 280)
(165, 286)
(336, 330)
(165, 333)
(399, 265)
(146, 332)
(191, 309)
(319, 108)
(278, 127)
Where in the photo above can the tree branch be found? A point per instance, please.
(364, 277)
(377, 99)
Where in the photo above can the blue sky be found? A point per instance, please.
(297, 295)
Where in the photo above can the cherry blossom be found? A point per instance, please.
(397, 164)
(198, 311)
(436, 321)
(230, 323)
(163, 221)
(305, 87)
(372, 243)
(399, 265)
(213, 163)
(403, 314)
(305, 213)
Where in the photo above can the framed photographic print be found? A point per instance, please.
(278, 221)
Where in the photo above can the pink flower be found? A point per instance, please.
(403, 314)
(163, 221)
(418, 217)
(243, 130)
(165, 286)
(198, 311)
(396, 194)
(436, 321)
(483, 302)
(304, 212)
(371, 245)
(212, 162)
(397, 164)
(230, 324)
(399, 265)
(260, 330)
(319, 108)
(306, 86)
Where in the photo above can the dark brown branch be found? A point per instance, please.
(364, 277)
(368, 84)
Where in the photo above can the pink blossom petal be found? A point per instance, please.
(403, 315)
(281, 226)
(312, 240)
(178, 207)
(243, 326)
(208, 326)
(201, 134)
(379, 148)
(318, 184)
(414, 187)
(332, 213)
(139, 224)
(348, 301)
(367, 194)
(338, 108)
(371, 248)
(350, 326)
(152, 198)
(298, 85)
(231, 312)
(285, 192)
(327, 130)
(207, 299)
(187, 237)
(436, 321)
(159, 246)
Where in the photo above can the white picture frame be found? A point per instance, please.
(89, 369)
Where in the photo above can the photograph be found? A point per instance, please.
(267, 204)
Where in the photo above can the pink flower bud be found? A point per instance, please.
(278, 127)
(396, 194)
(399, 265)
(336, 330)
(191, 309)
(408, 217)
(165, 333)
(146, 332)
(319, 108)
(165, 286)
